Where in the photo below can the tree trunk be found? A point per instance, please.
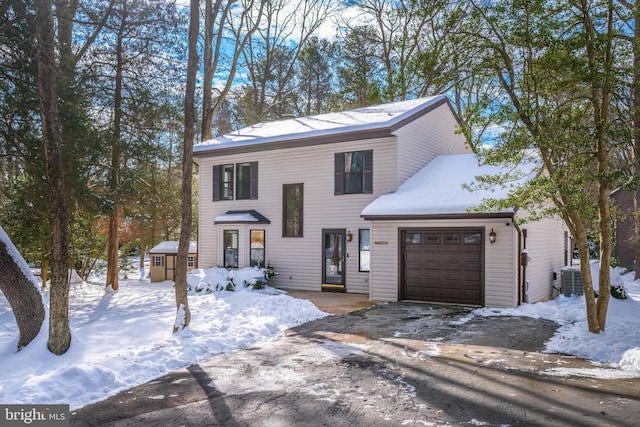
(114, 220)
(23, 295)
(601, 118)
(142, 252)
(59, 332)
(44, 271)
(587, 281)
(635, 111)
(183, 315)
(207, 89)
(112, 250)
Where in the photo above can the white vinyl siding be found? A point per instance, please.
(545, 245)
(501, 264)
(298, 262)
(384, 277)
(422, 140)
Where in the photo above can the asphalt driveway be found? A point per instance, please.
(392, 364)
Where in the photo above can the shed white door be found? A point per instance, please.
(442, 265)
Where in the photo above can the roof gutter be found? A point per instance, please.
(410, 217)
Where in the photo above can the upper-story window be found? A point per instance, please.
(247, 180)
(226, 182)
(354, 172)
(241, 177)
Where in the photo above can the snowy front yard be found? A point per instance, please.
(122, 339)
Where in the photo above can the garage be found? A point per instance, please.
(442, 265)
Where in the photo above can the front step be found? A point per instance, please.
(326, 287)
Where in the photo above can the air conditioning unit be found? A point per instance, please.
(571, 282)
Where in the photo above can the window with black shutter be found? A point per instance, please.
(353, 172)
(240, 180)
(223, 182)
(247, 181)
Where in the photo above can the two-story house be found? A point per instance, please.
(313, 197)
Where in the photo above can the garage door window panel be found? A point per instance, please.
(413, 238)
(451, 238)
(431, 238)
(472, 238)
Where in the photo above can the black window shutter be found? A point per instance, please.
(254, 181)
(367, 172)
(239, 193)
(216, 182)
(339, 174)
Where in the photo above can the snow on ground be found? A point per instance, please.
(618, 346)
(122, 339)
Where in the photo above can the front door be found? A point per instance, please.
(333, 267)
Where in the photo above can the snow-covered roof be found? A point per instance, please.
(438, 189)
(171, 247)
(239, 217)
(380, 118)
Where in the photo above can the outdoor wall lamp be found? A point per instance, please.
(349, 236)
(492, 237)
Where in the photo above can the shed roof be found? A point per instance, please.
(171, 247)
(438, 189)
(362, 123)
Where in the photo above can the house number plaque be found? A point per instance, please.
(381, 242)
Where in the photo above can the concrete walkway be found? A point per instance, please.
(392, 364)
(335, 302)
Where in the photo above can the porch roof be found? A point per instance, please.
(241, 217)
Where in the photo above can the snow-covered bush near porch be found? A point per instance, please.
(218, 279)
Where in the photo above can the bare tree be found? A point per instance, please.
(225, 24)
(59, 331)
(183, 315)
(272, 55)
(414, 43)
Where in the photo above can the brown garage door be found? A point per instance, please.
(443, 265)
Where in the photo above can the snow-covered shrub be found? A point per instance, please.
(220, 279)
(618, 291)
